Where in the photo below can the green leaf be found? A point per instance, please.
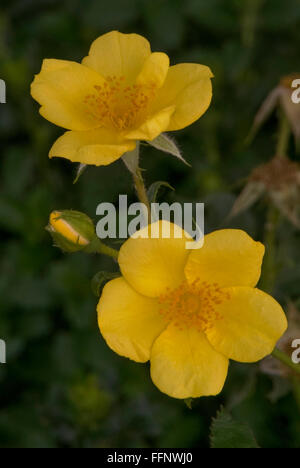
(166, 144)
(225, 432)
(154, 188)
(131, 159)
(80, 170)
(99, 280)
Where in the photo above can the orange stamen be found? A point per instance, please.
(193, 305)
(118, 105)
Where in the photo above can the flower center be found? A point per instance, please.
(193, 305)
(120, 106)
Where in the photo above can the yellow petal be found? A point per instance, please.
(99, 147)
(153, 126)
(228, 257)
(151, 265)
(251, 323)
(50, 65)
(188, 87)
(128, 321)
(61, 88)
(154, 71)
(118, 54)
(184, 364)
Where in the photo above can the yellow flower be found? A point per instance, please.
(190, 311)
(120, 93)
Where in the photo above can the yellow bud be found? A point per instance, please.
(71, 230)
(64, 228)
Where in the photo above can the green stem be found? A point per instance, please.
(141, 191)
(286, 360)
(269, 270)
(250, 20)
(283, 136)
(105, 250)
(131, 161)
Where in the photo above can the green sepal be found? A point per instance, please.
(100, 279)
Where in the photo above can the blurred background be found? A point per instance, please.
(62, 386)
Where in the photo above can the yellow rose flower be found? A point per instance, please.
(119, 94)
(190, 311)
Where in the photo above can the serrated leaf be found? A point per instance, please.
(99, 280)
(80, 170)
(167, 145)
(154, 188)
(225, 432)
(131, 159)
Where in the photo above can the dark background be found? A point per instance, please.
(62, 386)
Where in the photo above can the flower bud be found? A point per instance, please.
(71, 230)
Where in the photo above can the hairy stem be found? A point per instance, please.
(141, 191)
(105, 250)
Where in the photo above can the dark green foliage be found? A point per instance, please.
(154, 189)
(62, 386)
(228, 433)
